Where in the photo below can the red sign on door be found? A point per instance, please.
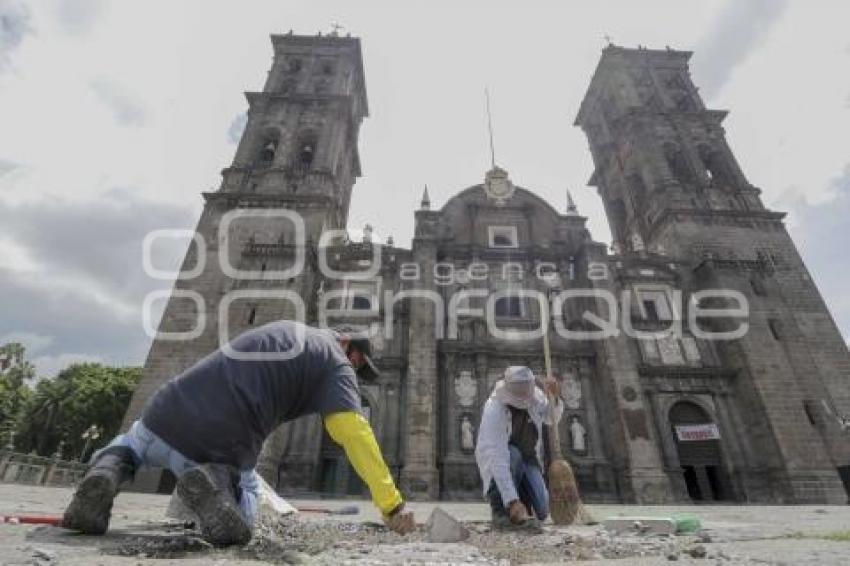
(691, 433)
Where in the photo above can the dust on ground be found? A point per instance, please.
(138, 534)
(290, 540)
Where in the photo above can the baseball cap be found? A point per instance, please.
(360, 342)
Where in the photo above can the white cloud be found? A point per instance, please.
(7, 166)
(739, 29)
(78, 17)
(234, 132)
(33, 343)
(180, 87)
(14, 26)
(126, 108)
(15, 257)
(48, 367)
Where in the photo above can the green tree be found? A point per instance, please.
(60, 410)
(15, 375)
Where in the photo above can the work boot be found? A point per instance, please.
(92, 504)
(209, 491)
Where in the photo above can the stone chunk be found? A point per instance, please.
(697, 551)
(640, 525)
(442, 527)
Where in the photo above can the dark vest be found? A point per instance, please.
(524, 434)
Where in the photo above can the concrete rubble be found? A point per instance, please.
(140, 535)
(442, 527)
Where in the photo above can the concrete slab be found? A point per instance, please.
(139, 534)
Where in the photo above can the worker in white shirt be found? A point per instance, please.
(509, 451)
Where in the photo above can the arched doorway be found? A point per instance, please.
(698, 445)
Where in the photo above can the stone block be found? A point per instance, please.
(641, 525)
(442, 527)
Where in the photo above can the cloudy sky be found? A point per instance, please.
(114, 116)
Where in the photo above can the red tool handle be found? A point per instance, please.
(54, 520)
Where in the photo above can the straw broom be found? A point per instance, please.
(564, 499)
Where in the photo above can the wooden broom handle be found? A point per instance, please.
(554, 437)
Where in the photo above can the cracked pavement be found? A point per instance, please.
(140, 534)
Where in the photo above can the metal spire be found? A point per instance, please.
(490, 129)
(426, 200)
(572, 209)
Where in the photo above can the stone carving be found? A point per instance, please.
(465, 388)
(637, 243)
(578, 434)
(571, 391)
(671, 354)
(498, 186)
(649, 349)
(689, 344)
(467, 434)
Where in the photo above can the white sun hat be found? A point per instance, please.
(517, 388)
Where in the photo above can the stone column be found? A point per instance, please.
(633, 443)
(419, 476)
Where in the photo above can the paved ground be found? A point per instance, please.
(141, 535)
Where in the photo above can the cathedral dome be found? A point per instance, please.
(476, 216)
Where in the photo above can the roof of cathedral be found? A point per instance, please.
(477, 192)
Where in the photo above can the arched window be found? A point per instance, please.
(715, 165)
(267, 147)
(267, 152)
(678, 163)
(305, 151)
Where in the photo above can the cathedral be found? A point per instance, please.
(697, 359)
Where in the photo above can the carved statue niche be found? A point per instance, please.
(578, 435)
(571, 391)
(465, 388)
(467, 434)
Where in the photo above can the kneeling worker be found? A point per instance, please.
(208, 424)
(509, 450)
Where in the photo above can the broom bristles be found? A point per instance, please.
(564, 500)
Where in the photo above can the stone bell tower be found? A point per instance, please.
(670, 184)
(290, 180)
(300, 141)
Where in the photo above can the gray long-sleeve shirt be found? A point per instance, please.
(222, 409)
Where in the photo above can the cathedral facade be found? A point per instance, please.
(697, 358)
